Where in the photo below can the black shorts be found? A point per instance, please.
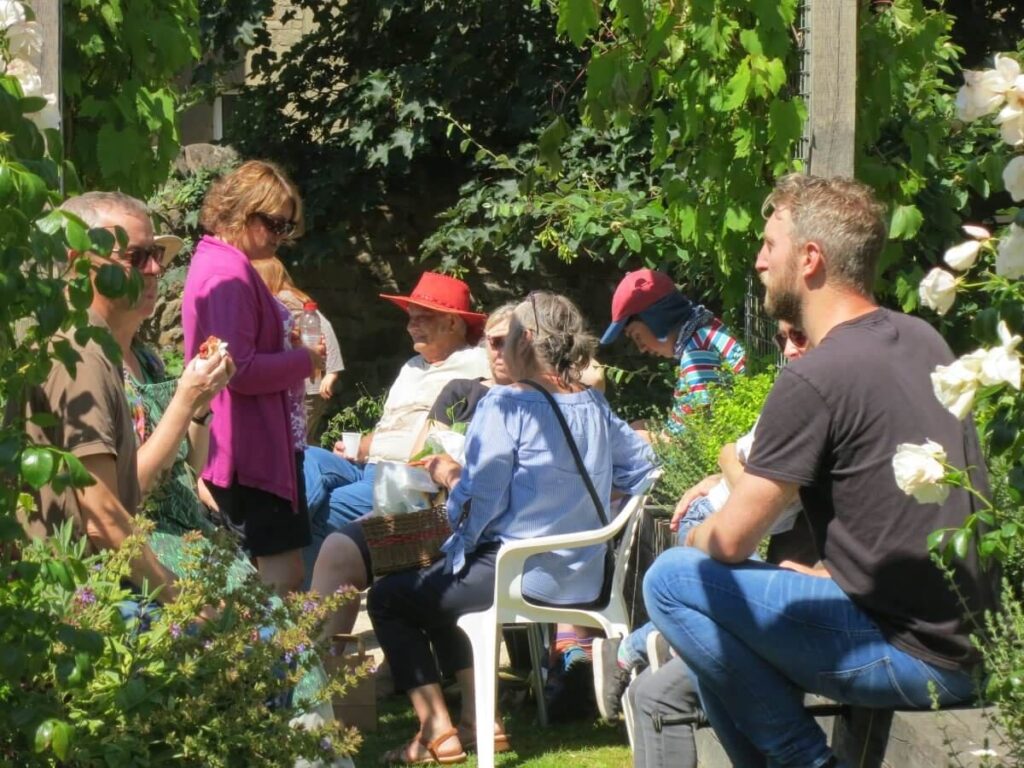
(266, 523)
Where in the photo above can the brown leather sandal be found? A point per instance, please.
(501, 742)
(400, 755)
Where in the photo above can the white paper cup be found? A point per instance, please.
(351, 442)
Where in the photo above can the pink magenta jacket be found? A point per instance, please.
(250, 437)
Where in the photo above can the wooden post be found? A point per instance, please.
(833, 98)
(48, 15)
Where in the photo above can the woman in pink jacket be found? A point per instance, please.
(254, 469)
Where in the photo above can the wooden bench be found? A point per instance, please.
(884, 738)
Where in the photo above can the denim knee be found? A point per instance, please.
(670, 565)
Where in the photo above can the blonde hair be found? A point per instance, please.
(500, 315)
(256, 186)
(275, 275)
(840, 215)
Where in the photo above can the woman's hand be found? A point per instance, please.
(703, 488)
(200, 384)
(318, 355)
(443, 469)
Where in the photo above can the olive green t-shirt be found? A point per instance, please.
(93, 419)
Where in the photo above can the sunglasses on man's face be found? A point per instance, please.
(496, 343)
(139, 256)
(799, 338)
(276, 225)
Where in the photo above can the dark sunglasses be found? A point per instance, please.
(276, 225)
(496, 343)
(139, 256)
(799, 338)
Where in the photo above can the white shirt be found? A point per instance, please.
(410, 397)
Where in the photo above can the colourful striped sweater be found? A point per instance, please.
(703, 356)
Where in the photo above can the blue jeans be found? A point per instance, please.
(338, 491)
(757, 636)
(634, 646)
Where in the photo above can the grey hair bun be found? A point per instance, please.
(561, 339)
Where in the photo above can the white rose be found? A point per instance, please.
(1010, 256)
(919, 471)
(27, 75)
(962, 257)
(1013, 177)
(1011, 117)
(1002, 364)
(938, 290)
(985, 90)
(11, 13)
(978, 233)
(25, 41)
(956, 384)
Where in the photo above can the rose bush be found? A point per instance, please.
(986, 382)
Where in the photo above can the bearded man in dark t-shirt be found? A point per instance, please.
(875, 624)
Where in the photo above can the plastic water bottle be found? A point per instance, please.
(309, 328)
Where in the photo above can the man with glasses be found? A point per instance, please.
(93, 418)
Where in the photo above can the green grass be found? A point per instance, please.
(578, 744)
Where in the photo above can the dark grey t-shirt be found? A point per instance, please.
(831, 424)
(457, 401)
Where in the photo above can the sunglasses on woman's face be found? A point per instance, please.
(276, 225)
(799, 338)
(139, 256)
(496, 343)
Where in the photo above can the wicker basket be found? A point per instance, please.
(408, 540)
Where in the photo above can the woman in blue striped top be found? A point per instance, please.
(520, 481)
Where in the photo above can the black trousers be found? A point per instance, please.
(416, 609)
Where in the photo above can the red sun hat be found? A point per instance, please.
(443, 293)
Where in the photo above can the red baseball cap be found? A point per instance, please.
(636, 292)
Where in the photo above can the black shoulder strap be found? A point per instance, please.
(602, 514)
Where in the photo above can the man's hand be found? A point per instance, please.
(819, 570)
(703, 488)
(200, 384)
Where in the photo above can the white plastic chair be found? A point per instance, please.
(511, 607)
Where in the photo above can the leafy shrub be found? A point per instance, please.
(361, 416)
(102, 683)
(691, 456)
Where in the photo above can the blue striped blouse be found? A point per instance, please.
(521, 482)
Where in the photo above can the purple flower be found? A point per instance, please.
(97, 567)
(85, 596)
(175, 631)
(309, 606)
(301, 648)
(326, 744)
(288, 656)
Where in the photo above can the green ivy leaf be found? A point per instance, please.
(737, 88)
(80, 476)
(111, 280)
(77, 236)
(632, 238)
(578, 18)
(37, 466)
(906, 221)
